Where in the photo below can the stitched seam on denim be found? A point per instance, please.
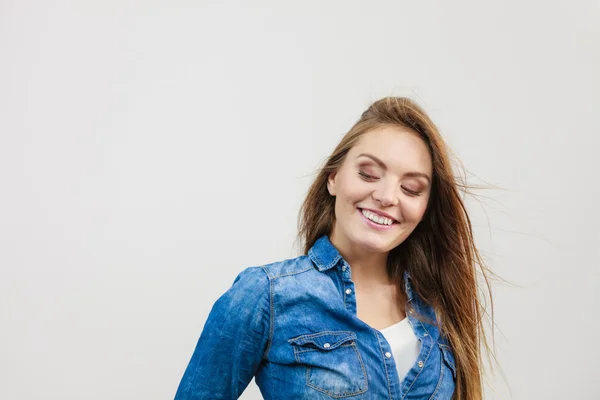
(322, 333)
(362, 366)
(309, 350)
(271, 316)
(387, 375)
(318, 262)
(313, 258)
(264, 267)
(446, 359)
(296, 356)
(293, 273)
(335, 261)
(423, 367)
(441, 376)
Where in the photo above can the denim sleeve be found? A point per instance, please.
(232, 341)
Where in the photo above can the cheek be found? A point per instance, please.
(353, 191)
(415, 212)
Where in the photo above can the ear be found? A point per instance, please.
(331, 183)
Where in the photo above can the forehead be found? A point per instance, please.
(401, 149)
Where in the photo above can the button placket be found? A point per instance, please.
(348, 287)
(346, 278)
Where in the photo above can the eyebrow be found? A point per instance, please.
(382, 165)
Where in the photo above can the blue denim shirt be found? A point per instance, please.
(293, 326)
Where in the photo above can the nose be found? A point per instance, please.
(386, 195)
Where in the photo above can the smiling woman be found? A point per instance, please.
(382, 304)
(387, 166)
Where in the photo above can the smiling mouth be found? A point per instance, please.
(377, 219)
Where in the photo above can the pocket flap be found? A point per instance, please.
(327, 340)
(449, 358)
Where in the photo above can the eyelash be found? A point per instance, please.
(369, 178)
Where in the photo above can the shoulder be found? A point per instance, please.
(258, 275)
(256, 280)
(289, 267)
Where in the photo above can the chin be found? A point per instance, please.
(373, 244)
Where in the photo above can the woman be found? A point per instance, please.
(383, 304)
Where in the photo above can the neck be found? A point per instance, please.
(369, 269)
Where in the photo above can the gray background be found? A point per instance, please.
(149, 151)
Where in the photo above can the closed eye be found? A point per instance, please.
(412, 192)
(366, 176)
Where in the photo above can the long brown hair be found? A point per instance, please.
(440, 254)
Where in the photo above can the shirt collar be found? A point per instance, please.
(325, 256)
(408, 286)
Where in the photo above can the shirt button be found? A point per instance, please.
(343, 267)
(421, 364)
(327, 345)
(388, 354)
(426, 334)
(348, 291)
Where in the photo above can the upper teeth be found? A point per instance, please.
(376, 218)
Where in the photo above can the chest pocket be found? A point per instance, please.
(333, 363)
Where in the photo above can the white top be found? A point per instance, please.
(405, 345)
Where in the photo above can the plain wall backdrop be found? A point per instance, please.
(150, 151)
